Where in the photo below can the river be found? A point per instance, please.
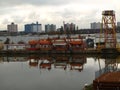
(26, 38)
(66, 72)
(59, 72)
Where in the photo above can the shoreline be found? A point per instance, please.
(55, 52)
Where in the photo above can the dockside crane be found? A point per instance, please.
(108, 29)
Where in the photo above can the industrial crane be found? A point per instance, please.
(108, 29)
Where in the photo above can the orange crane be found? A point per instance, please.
(108, 29)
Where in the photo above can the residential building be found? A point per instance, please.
(50, 28)
(95, 25)
(118, 24)
(32, 28)
(12, 27)
(69, 27)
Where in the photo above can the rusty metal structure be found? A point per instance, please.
(108, 33)
(107, 81)
(109, 28)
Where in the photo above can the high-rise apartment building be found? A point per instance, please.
(95, 25)
(50, 28)
(69, 27)
(12, 27)
(34, 27)
(118, 24)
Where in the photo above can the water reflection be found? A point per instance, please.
(71, 62)
(74, 62)
(77, 62)
(112, 64)
(33, 63)
(54, 72)
(13, 59)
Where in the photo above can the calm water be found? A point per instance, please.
(55, 72)
(15, 39)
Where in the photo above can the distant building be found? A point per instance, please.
(118, 24)
(34, 27)
(69, 27)
(28, 28)
(95, 25)
(12, 27)
(50, 28)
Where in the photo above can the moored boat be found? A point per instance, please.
(60, 44)
(32, 45)
(45, 44)
(76, 44)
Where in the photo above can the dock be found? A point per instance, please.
(107, 81)
(13, 52)
(24, 51)
(21, 49)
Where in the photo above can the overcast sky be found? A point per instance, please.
(80, 12)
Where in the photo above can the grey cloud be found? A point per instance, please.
(56, 14)
(6, 10)
(33, 2)
(33, 15)
(18, 19)
(5, 21)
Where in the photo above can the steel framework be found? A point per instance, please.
(109, 28)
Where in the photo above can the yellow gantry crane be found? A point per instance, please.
(108, 31)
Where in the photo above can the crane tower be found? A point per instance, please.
(109, 28)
